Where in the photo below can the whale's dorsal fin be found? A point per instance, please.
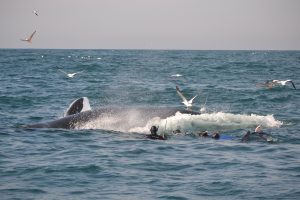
(77, 106)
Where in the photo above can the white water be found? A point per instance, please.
(218, 121)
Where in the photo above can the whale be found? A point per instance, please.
(79, 114)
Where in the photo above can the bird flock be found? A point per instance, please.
(269, 84)
(188, 103)
(29, 40)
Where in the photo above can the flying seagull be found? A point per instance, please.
(284, 82)
(35, 12)
(187, 103)
(30, 38)
(70, 75)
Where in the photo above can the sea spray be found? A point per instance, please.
(218, 121)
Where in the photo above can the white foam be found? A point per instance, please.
(218, 121)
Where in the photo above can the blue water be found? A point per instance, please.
(113, 162)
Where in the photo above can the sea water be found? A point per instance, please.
(102, 160)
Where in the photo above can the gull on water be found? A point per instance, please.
(187, 103)
(70, 75)
(29, 38)
(283, 82)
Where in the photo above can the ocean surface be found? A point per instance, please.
(107, 160)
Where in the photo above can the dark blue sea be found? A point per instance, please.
(108, 160)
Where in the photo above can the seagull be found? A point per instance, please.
(284, 82)
(35, 12)
(70, 75)
(30, 38)
(187, 103)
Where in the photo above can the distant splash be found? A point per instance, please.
(218, 121)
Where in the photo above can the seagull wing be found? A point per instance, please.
(76, 73)
(191, 101)
(31, 36)
(180, 94)
(63, 71)
(79, 72)
(292, 84)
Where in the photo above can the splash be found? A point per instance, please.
(218, 121)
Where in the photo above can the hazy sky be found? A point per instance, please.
(152, 24)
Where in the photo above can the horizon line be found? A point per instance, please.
(147, 49)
